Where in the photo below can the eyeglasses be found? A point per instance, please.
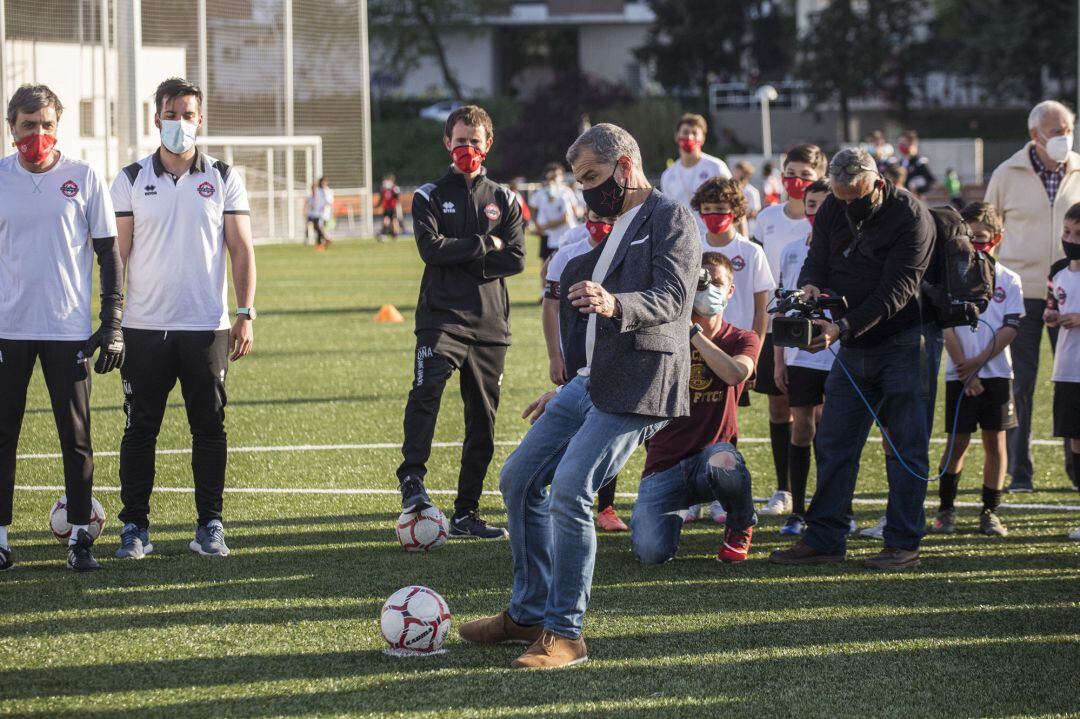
(851, 169)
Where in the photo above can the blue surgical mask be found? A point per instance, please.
(710, 301)
(178, 136)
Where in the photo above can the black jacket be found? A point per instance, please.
(880, 270)
(463, 292)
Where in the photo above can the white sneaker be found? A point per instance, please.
(692, 514)
(1075, 534)
(778, 504)
(719, 514)
(875, 532)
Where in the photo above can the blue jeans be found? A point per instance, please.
(664, 496)
(889, 377)
(576, 449)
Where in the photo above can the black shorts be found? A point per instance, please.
(545, 251)
(992, 410)
(390, 212)
(766, 382)
(1067, 409)
(806, 386)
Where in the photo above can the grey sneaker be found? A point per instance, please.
(210, 540)
(134, 542)
(990, 524)
(944, 522)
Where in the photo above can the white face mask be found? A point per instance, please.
(710, 301)
(178, 136)
(1058, 147)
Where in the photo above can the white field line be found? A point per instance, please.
(397, 445)
(490, 493)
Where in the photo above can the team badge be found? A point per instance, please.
(69, 189)
(206, 190)
(699, 380)
(492, 212)
(999, 294)
(1061, 296)
(738, 263)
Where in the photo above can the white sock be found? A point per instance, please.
(75, 532)
(3, 537)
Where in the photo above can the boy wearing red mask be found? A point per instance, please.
(564, 362)
(685, 175)
(468, 230)
(777, 227)
(979, 369)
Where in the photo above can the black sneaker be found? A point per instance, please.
(6, 562)
(471, 526)
(413, 495)
(80, 558)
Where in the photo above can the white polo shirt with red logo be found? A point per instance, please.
(48, 222)
(176, 269)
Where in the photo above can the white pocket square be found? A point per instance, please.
(638, 242)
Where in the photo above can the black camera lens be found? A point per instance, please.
(703, 280)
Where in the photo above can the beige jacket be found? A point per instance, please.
(1033, 228)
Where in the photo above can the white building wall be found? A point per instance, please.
(607, 52)
(471, 53)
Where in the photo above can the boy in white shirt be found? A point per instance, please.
(684, 176)
(1063, 311)
(978, 378)
(555, 212)
(777, 227)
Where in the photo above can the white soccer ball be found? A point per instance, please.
(415, 620)
(422, 531)
(61, 528)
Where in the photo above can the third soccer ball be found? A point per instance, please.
(61, 528)
(422, 531)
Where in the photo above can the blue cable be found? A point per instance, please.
(956, 414)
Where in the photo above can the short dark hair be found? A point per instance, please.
(471, 115)
(811, 155)
(176, 87)
(31, 98)
(553, 167)
(717, 190)
(816, 186)
(1073, 213)
(693, 120)
(718, 259)
(910, 135)
(986, 214)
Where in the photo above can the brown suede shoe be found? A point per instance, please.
(893, 558)
(803, 553)
(552, 651)
(500, 629)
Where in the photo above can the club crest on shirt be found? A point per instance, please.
(999, 294)
(738, 263)
(206, 190)
(69, 189)
(704, 175)
(1060, 295)
(699, 379)
(492, 212)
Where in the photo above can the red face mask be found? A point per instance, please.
(35, 149)
(718, 222)
(690, 144)
(467, 158)
(810, 219)
(987, 246)
(795, 187)
(598, 231)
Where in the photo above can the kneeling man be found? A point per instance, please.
(693, 460)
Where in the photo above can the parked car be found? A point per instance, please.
(440, 110)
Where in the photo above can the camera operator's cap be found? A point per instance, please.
(848, 164)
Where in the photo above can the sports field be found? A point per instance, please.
(287, 625)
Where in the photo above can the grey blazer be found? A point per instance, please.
(641, 363)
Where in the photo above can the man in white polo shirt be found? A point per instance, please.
(55, 214)
(178, 211)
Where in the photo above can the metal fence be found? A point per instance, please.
(285, 84)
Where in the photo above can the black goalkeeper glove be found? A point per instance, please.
(110, 339)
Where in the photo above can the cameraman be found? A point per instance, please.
(872, 243)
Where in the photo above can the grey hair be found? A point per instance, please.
(608, 142)
(31, 98)
(1046, 107)
(859, 180)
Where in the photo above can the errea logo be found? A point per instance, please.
(448, 208)
(149, 190)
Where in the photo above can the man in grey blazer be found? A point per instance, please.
(631, 298)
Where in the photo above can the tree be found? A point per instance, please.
(409, 30)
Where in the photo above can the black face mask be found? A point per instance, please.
(861, 209)
(606, 199)
(1072, 250)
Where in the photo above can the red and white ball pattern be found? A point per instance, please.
(422, 531)
(61, 528)
(415, 619)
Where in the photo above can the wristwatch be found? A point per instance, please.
(845, 330)
(248, 312)
(695, 330)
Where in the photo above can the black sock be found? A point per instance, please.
(798, 473)
(780, 438)
(947, 486)
(606, 496)
(991, 499)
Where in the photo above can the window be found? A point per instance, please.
(86, 118)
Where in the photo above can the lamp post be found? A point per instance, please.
(766, 94)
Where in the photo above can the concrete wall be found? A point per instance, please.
(607, 51)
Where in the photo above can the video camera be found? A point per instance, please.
(799, 330)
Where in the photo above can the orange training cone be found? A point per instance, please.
(388, 313)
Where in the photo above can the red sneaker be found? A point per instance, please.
(736, 546)
(608, 521)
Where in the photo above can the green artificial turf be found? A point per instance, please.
(287, 625)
